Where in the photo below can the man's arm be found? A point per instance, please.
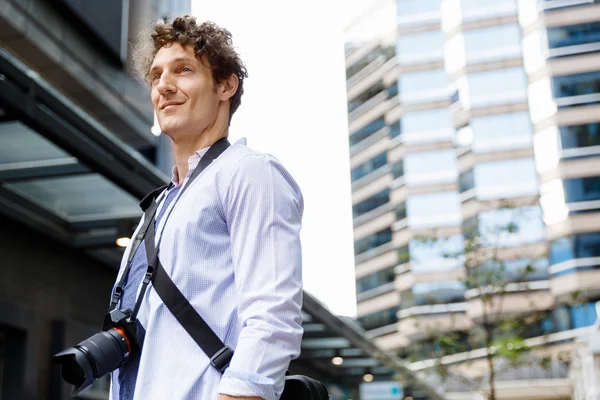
(263, 208)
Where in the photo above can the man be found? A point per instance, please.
(230, 243)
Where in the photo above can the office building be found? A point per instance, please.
(476, 115)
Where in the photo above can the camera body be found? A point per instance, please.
(101, 353)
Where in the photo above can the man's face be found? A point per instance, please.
(183, 92)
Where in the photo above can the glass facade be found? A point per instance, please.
(573, 35)
(501, 131)
(582, 189)
(371, 203)
(507, 227)
(367, 131)
(429, 167)
(506, 178)
(492, 272)
(576, 85)
(379, 319)
(435, 119)
(416, 7)
(492, 43)
(488, 88)
(423, 84)
(433, 209)
(372, 241)
(580, 135)
(371, 165)
(430, 293)
(439, 254)
(420, 47)
(369, 93)
(375, 280)
(579, 245)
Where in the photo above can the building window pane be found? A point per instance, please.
(509, 227)
(370, 242)
(364, 169)
(367, 131)
(438, 254)
(416, 7)
(398, 169)
(582, 189)
(371, 203)
(420, 47)
(493, 43)
(580, 135)
(495, 87)
(375, 280)
(576, 85)
(425, 121)
(430, 293)
(501, 131)
(466, 181)
(433, 209)
(505, 179)
(379, 319)
(583, 315)
(492, 272)
(423, 83)
(573, 35)
(429, 167)
(365, 96)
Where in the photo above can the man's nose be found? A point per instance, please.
(166, 85)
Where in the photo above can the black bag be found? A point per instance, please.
(296, 386)
(300, 387)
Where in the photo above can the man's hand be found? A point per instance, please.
(227, 397)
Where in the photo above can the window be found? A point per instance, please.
(579, 245)
(366, 131)
(420, 47)
(573, 35)
(379, 319)
(433, 209)
(371, 203)
(416, 7)
(466, 181)
(365, 96)
(400, 211)
(580, 135)
(493, 43)
(518, 270)
(426, 121)
(429, 167)
(501, 131)
(438, 254)
(372, 241)
(395, 129)
(430, 293)
(582, 315)
(576, 85)
(505, 179)
(371, 165)
(375, 280)
(398, 169)
(403, 255)
(392, 90)
(383, 53)
(423, 84)
(509, 226)
(582, 189)
(494, 87)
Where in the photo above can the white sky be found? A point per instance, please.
(294, 107)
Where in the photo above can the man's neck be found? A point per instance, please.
(185, 148)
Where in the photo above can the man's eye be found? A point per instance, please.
(156, 77)
(185, 69)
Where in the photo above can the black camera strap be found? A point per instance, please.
(149, 205)
(219, 354)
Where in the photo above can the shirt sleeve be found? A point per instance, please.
(263, 207)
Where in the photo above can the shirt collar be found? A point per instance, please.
(193, 162)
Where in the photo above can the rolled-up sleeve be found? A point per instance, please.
(263, 207)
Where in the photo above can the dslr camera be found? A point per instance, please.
(101, 353)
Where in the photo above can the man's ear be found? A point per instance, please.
(228, 87)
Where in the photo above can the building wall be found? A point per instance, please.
(45, 287)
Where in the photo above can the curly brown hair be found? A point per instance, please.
(208, 40)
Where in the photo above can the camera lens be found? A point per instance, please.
(93, 358)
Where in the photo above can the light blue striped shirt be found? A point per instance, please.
(231, 244)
